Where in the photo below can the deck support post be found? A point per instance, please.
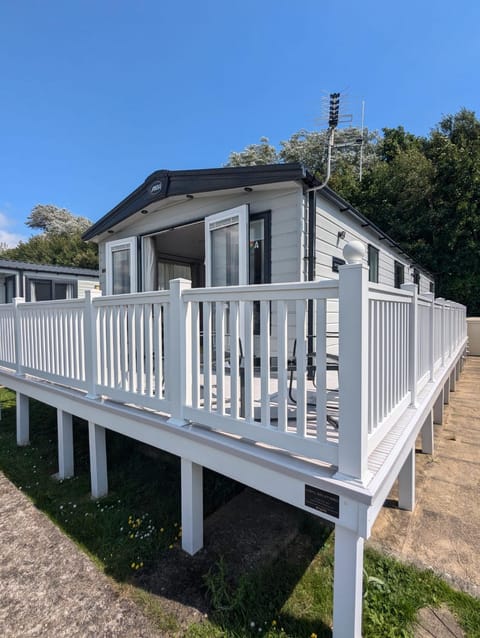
(453, 380)
(98, 460)
(446, 392)
(406, 483)
(427, 434)
(192, 506)
(438, 409)
(65, 444)
(23, 419)
(458, 366)
(347, 583)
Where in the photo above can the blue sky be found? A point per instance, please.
(97, 94)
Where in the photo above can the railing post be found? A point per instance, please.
(451, 330)
(431, 340)
(441, 301)
(353, 363)
(413, 342)
(178, 370)
(17, 327)
(91, 346)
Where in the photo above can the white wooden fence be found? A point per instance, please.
(241, 359)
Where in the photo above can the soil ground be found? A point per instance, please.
(49, 587)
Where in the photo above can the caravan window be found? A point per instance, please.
(121, 258)
(399, 274)
(9, 289)
(48, 289)
(372, 264)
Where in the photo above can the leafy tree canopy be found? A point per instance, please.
(54, 220)
(60, 243)
(424, 191)
(255, 155)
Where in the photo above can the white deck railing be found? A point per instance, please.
(7, 336)
(129, 333)
(52, 337)
(242, 359)
(389, 360)
(250, 360)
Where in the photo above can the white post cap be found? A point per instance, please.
(354, 252)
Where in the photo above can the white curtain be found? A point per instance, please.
(149, 268)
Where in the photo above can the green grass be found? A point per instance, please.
(130, 531)
(136, 523)
(292, 601)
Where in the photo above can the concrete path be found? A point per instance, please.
(48, 587)
(444, 530)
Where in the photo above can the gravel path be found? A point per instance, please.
(48, 587)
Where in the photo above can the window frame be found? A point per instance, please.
(111, 247)
(398, 268)
(9, 279)
(373, 276)
(52, 281)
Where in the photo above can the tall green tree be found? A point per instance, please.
(423, 191)
(454, 150)
(60, 243)
(396, 192)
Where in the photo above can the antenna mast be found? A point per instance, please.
(362, 142)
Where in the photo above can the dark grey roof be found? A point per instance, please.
(58, 270)
(163, 184)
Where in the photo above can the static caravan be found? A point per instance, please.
(241, 225)
(235, 368)
(228, 226)
(39, 282)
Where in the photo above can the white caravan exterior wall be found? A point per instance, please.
(285, 203)
(289, 231)
(85, 284)
(330, 221)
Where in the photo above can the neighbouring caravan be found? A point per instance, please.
(41, 282)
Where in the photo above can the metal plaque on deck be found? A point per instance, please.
(322, 501)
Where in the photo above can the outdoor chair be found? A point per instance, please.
(332, 362)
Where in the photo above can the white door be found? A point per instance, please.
(226, 263)
(226, 244)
